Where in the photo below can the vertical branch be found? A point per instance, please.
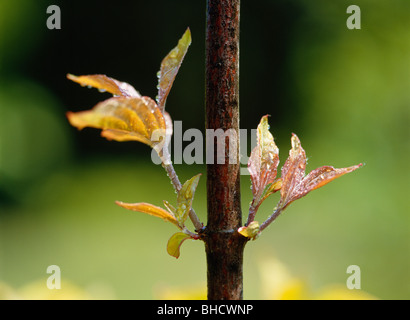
(224, 246)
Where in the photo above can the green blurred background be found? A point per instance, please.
(346, 93)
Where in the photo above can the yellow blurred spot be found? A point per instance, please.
(279, 284)
(7, 293)
(38, 291)
(339, 292)
(193, 292)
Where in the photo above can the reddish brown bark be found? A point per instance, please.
(224, 246)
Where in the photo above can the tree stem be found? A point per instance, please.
(224, 246)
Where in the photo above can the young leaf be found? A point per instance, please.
(293, 171)
(251, 231)
(323, 175)
(123, 119)
(170, 207)
(263, 162)
(294, 182)
(168, 124)
(275, 186)
(149, 209)
(185, 198)
(104, 83)
(162, 148)
(169, 68)
(175, 242)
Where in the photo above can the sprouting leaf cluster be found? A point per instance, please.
(293, 183)
(129, 116)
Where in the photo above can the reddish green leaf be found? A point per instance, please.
(175, 242)
(293, 172)
(294, 182)
(149, 209)
(323, 175)
(169, 68)
(123, 119)
(104, 83)
(263, 162)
